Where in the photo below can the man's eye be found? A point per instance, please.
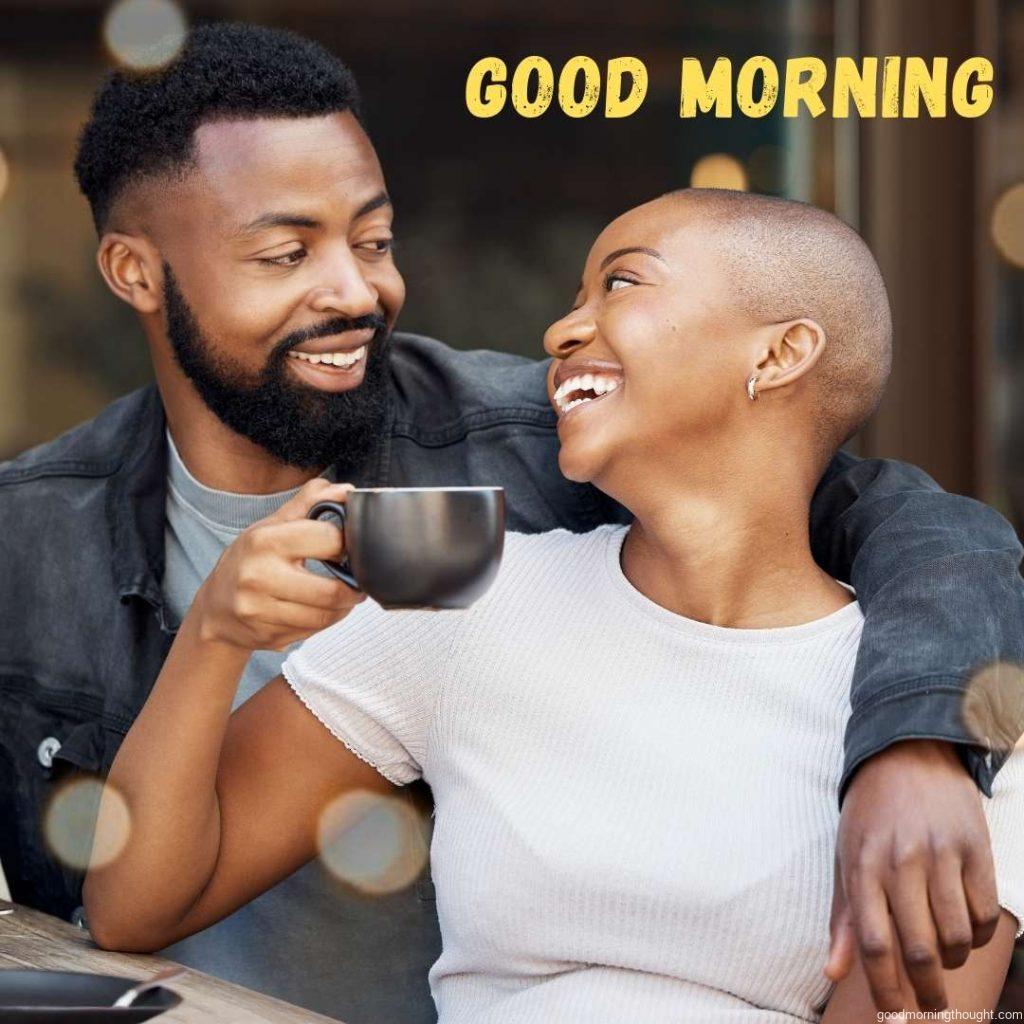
(614, 282)
(381, 245)
(288, 259)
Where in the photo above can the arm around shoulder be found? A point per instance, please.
(938, 578)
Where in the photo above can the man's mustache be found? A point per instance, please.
(329, 328)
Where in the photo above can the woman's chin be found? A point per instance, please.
(579, 467)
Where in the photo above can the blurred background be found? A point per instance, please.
(494, 217)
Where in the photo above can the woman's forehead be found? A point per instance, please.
(666, 225)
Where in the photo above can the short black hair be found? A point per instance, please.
(144, 124)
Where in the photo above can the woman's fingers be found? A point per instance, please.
(285, 622)
(299, 504)
(295, 539)
(300, 586)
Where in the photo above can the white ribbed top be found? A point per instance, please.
(636, 812)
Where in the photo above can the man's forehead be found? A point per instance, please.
(245, 164)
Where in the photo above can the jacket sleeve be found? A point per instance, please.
(938, 578)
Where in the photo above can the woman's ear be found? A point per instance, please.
(792, 350)
(132, 269)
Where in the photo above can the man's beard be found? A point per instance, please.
(296, 423)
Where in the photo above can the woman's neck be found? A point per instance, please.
(730, 554)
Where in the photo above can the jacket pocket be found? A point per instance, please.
(49, 756)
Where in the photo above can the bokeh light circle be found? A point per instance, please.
(1008, 225)
(375, 843)
(993, 708)
(719, 170)
(69, 824)
(5, 175)
(145, 34)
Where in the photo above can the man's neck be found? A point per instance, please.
(225, 461)
(728, 550)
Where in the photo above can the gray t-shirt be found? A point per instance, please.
(309, 940)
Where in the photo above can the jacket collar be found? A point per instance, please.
(137, 494)
(136, 500)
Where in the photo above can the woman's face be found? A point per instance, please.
(647, 364)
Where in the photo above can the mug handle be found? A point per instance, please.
(342, 570)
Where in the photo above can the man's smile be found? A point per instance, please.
(338, 370)
(335, 363)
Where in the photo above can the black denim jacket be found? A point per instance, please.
(82, 623)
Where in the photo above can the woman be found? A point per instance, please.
(596, 858)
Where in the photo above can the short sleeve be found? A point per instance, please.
(373, 680)
(1005, 814)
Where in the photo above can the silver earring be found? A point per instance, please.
(752, 387)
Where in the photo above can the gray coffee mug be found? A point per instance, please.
(419, 547)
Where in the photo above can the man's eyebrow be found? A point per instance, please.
(298, 220)
(379, 200)
(277, 220)
(633, 248)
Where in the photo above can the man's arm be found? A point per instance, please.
(938, 578)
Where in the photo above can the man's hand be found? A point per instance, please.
(260, 596)
(914, 873)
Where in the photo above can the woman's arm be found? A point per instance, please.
(221, 806)
(973, 988)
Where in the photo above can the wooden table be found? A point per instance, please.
(32, 940)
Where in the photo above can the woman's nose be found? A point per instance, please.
(567, 335)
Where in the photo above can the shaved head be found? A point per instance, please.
(787, 261)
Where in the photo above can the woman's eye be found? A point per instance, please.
(288, 259)
(614, 282)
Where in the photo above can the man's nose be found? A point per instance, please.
(344, 289)
(569, 334)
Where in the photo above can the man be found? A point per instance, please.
(243, 215)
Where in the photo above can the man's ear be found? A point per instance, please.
(792, 349)
(131, 266)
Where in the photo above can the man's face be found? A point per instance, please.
(280, 287)
(662, 341)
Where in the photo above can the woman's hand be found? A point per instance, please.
(260, 596)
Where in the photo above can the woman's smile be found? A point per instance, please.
(583, 383)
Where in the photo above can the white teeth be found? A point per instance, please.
(599, 384)
(331, 358)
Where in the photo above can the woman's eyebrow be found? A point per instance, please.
(632, 248)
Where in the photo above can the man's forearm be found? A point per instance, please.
(938, 578)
